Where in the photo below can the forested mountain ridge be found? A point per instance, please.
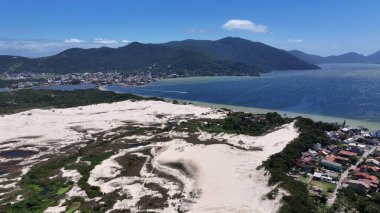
(350, 57)
(228, 56)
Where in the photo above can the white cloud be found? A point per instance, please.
(46, 47)
(291, 40)
(104, 41)
(126, 41)
(73, 41)
(236, 24)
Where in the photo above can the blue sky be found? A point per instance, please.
(325, 27)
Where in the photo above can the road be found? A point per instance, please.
(344, 175)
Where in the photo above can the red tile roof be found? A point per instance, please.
(347, 153)
(342, 158)
(364, 175)
(330, 157)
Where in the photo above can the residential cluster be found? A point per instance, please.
(27, 80)
(353, 161)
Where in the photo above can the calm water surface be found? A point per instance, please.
(339, 90)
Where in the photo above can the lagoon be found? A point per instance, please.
(349, 91)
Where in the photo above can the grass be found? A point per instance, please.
(73, 207)
(34, 187)
(325, 186)
(303, 179)
(63, 190)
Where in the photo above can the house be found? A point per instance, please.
(345, 153)
(372, 142)
(369, 169)
(363, 175)
(306, 163)
(331, 165)
(333, 135)
(342, 160)
(322, 153)
(323, 177)
(330, 157)
(357, 148)
(373, 162)
(373, 186)
(375, 134)
(317, 175)
(337, 159)
(317, 146)
(332, 148)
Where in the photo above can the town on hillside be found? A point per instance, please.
(28, 80)
(353, 161)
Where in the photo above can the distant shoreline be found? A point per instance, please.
(371, 125)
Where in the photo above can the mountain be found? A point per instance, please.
(247, 52)
(313, 59)
(11, 63)
(228, 56)
(374, 58)
(350, 57)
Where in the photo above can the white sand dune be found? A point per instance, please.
(224, 178)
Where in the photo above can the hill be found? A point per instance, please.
(228, 56)
(247, 52)
(350, 57)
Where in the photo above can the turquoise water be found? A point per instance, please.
(349, 91)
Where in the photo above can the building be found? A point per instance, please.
(347, 154)
(357, 148)
(369, 169)
(375, 134)
(373, 162)
(337, 167)
(363, 175)
(317, 147)
(323, 177)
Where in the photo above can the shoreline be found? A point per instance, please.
(371, 125)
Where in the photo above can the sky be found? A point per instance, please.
(35, 28)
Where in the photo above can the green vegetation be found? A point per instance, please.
(234, 123)
(350, 201)
(63, 190)
(245, 123)
(280, 164)
(74, 206)
(325, 186)
(21, 100)
(41, 191)
(8, 83)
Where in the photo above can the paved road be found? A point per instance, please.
(344, 175)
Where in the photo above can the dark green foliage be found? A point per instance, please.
(8, 83)
(41, 191)
(254, 54)
(349, 200)
(280, 164)
(228, 56)
(27, 99)
(245, 123)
